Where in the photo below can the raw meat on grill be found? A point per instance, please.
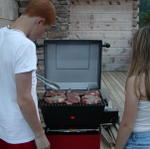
(71, 101)
(55, 93)
(55, 99)
(92, 92)
(90, 99)
(73, 97)
(79, 93)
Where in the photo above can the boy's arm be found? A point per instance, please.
(27, 106)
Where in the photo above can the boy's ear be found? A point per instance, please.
(40, 20)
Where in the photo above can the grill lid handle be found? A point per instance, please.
(107, 45)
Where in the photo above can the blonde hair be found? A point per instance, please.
(140, 62)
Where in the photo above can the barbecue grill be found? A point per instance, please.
(75, 65)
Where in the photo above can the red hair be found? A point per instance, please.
(41, 8)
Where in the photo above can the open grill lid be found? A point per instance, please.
(73, 64)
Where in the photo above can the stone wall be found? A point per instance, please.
(8, 12)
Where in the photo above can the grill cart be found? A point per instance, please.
(75, 113)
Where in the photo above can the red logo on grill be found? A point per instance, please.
(72, 117)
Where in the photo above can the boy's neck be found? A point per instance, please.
(24, 24)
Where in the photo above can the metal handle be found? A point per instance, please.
(107, 45)
(47, 82)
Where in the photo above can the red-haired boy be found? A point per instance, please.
(20, 127)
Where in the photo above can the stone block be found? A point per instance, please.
(8, 9)
(57, 35)
(4, 22)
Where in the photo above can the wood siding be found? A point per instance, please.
(112, 21)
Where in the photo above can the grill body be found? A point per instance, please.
(75, 65)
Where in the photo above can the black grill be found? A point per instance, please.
(61, 115)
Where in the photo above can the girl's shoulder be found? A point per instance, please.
(137, 84)
(131, 80)
(136, 80)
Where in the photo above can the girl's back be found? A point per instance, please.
(134, 131)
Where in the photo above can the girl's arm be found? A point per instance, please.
(129, 115)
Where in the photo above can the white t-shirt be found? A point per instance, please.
(17, 55)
